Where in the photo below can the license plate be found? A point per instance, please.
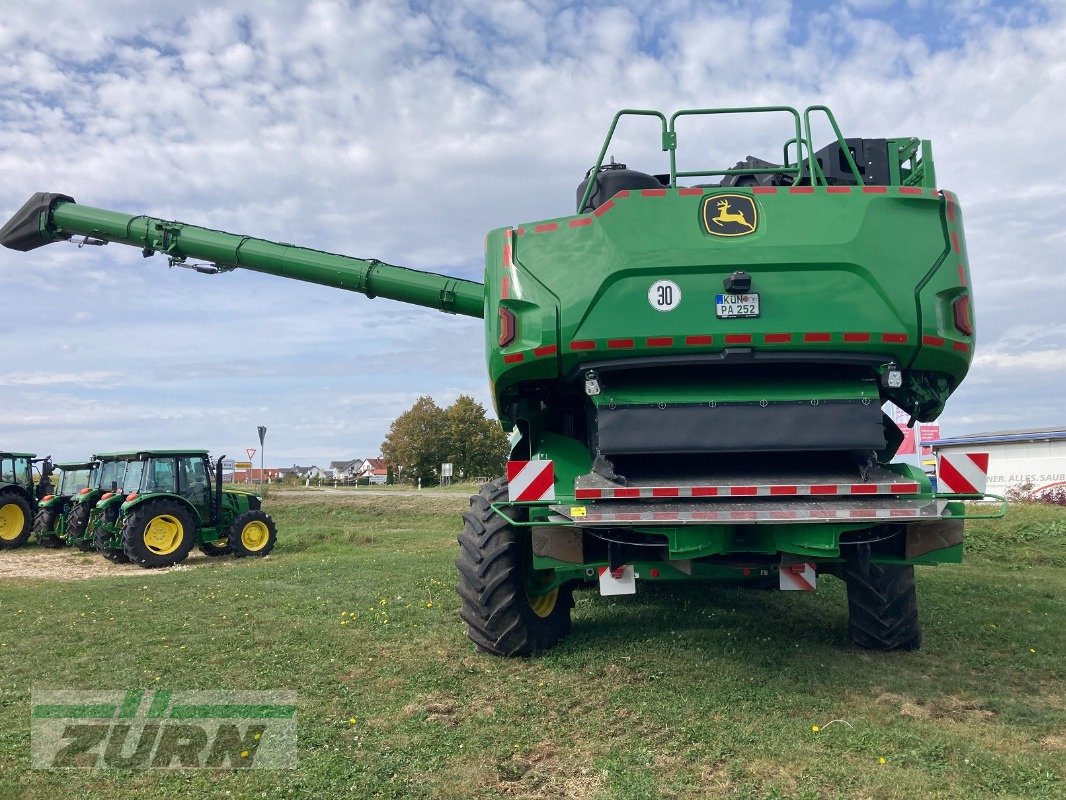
(728, 306)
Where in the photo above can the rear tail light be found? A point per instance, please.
(508, 327)
(961, 310)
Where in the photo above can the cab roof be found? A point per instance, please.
(73, 464)
(5, 454)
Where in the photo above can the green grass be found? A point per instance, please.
(681, 691)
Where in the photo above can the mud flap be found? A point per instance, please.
(618, 581)
(797, 576)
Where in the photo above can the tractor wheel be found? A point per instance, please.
(158, 534)
(16, 521)
(77, 524)
(500, 615)
(43, 526)
(253, 533)
(103, 545)
(882, 603)
(219, 547)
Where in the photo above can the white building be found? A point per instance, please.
(1032, 458)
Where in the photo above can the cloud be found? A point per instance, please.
(406, 131)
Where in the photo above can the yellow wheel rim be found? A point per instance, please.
(164, 534)
(255, 535)
(12, 521)
(543, 605)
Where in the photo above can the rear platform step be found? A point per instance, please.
(769, 511)
(751, 483)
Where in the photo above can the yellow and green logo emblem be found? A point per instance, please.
(730, 215)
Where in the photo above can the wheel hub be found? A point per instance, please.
(12, 521)
(164, 534)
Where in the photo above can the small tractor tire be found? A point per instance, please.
(500, 616)
(158, 534)
(253, 533)
(102, 542)
(77, 523)
(16, 520)
(43, 525)
(219, 547)
(882, 603)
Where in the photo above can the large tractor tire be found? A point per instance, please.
(102, 539)
(77, 523)
(158, 534)
(44, 525)
(500, 615)
(253, 533)
(882, 603)
(16, 520)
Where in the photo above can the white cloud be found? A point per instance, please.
(404, 134)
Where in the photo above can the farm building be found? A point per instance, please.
(1035, 458)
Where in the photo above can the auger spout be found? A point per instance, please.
(48, 217)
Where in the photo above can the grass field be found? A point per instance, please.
(684, 691)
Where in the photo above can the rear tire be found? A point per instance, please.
(16, 520)
(158, 534)
(253, 533)
(500, 616)
(882, 603)
(77, 524)
(44, 526)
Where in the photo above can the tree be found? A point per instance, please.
(477, 446)
(426, 436)
(416, 441)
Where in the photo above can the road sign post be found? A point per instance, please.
(262, 454)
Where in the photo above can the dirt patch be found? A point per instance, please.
(1055, 743)
(950, 707)
(32, 564)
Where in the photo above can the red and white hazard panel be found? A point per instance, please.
(621, 580)
(962, 473)
(798, 577)
(528, 481)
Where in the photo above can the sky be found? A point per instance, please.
(406, 131)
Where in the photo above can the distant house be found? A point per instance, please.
(254, 475)
(345, 470)
(374, 469)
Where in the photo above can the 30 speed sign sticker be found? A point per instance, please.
(664, 295)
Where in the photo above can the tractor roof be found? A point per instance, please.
(150, 453)
(5, 454)
(74, 464)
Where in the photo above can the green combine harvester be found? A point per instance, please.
(166, 505)
(53, 510)
(692, 368)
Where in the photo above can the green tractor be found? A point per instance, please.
(105, 476)
(166, 505)
(692, 365)
(16, 498)
(53, 510)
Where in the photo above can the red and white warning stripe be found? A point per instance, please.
(529, 481)
(800, 577)
(750, 490)
(594, 516)
(962, 473)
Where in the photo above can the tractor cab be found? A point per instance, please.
(53, 510)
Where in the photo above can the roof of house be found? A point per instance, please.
(998, 437)
(355, 462)
(377, 465)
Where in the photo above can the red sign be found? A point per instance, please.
(930, 433)
(251, 452)
(907, 448)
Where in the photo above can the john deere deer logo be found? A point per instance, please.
(733, 215)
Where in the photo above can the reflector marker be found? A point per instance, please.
(801, 190)
(622, 193)
(750, 490)
(935, 341)
(690, 191)
(955, 242)
(777, 338)
(838, 190)
(583, 344)
(545, 350)
(962, 473)
(521, 231)
(580, 222)
(505, 288)
(894, 338)
(530, 481)
(546, 227)
(738, 338)
(764, 190)
(817, 337)
(962, 275)
(696, 341)
(960, 346)
(909, 190)
(659, 341)
(951, 211)
(653, 192)
(856, 336)
(619, 344)
(514, 358)
(599, 212)
(875, 189)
